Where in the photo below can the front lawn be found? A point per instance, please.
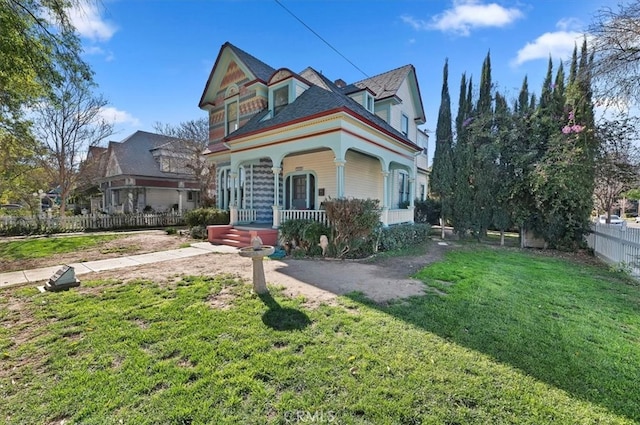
(519, 339)
(22, 249)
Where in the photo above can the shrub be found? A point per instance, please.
(304, 233)
(353, 221)
(402, 236)
(198, 232)
(206, 216)
(427, 211)
(171, 230)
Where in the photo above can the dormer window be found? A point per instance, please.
(280, 99)
(369, 102)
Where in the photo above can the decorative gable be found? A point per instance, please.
(233, 93)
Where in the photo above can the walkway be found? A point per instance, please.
(42, 274)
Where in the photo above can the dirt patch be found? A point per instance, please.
(126, 244)
(317, 281)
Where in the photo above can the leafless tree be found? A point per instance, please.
(67, 124)
(617, 162)
(194, 138)
(616, 47)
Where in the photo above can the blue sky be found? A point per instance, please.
(151, 58)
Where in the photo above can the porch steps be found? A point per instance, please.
(240, 237)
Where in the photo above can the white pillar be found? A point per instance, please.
(276, 185)
(339, 177)
(179, 202)
(385, 189)
(276, 217)
(412, 191)
(384, 213)
(233, 215)
(232, 176)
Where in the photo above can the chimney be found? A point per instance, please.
(340, 83)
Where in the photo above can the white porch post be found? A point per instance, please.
(384, 214)
(233, 208)
(233, 176)
(412, 196)
(339, 177)
(276, 196)
(179, 202)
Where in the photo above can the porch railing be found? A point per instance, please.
(247, 216)
(315, 215)
(399, 216)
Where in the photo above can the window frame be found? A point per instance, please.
(404, 124)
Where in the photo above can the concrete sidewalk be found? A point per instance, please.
(42, 274)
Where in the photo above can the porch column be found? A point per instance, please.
(276, 197)
(412, 196)
(233, 176)
(113, 201)
(412, 191)
(276, 185)
(339, 177)
(384, 214)
(179, 202)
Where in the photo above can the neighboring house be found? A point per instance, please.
(284, 142)
(146, 170)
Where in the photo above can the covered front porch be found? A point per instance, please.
(258, 192)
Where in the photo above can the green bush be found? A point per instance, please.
(198, 232)
(305, 234)
(427, 211)
(352, 221)
(402, 236)
(171, 230)
(206, 216)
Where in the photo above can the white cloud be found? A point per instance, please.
(116, 116)
(467, 15)
(89, 23)
(558, 44)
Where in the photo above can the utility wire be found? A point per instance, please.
(320, 37)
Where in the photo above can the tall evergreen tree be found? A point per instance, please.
(442, 173)
(506, 176)
(462, 199)
(484, 155)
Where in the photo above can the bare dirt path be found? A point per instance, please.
(317, 280)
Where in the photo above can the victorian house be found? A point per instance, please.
(284, 141)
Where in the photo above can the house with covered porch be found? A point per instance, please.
(283, 142)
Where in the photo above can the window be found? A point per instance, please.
(190, 196)
(404, 125)
(280, 99)
(232, 117)
(423, 189)
(369, 104)
(403, 186)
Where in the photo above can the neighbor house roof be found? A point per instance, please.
(134, 154)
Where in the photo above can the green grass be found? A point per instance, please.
(47, 247)
(519, 340)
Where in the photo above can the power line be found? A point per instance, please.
(320, 37)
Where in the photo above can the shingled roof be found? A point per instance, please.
(261, 70)
(323, 96)
(386, 84)
(135, 158)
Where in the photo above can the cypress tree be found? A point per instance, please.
(442, 173)
(462, 199)
(484, 155)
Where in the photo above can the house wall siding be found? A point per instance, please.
(249, 102)
(363, 176)
(406, 107)
(321, 164)
(263, 189)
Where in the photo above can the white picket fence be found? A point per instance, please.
(92, 222)
(616, 245)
